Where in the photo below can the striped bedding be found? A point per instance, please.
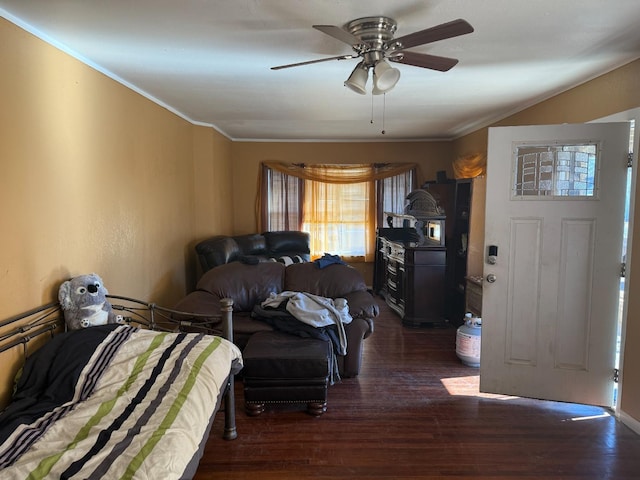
(115, 402)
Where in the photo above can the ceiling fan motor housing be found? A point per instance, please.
(374, 34)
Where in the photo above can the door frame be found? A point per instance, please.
(628, 115)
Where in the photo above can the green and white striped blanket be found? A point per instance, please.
(115, 402)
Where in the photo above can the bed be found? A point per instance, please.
(132, 400)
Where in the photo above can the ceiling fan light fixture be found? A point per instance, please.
(372, 39)
(358, 79)
(385, 77)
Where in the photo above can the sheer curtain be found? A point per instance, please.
(392, 193)
(341, 205)
(340, 217)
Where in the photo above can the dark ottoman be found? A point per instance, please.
(284, 368)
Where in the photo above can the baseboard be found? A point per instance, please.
(629, 421)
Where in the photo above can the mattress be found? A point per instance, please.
(115, 401)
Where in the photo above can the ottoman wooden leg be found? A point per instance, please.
(316, 408)
(254, 409)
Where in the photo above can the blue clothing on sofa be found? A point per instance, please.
(328, 259)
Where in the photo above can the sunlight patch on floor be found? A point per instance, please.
(469, 387)
(590, 417)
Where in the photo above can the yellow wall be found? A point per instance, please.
(212, 194)
(611, 93)
(608, 94)
(431, 157)
(96, 178)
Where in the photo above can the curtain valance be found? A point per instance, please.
(351, 173)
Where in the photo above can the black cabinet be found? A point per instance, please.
(454, 197)
(410, 277)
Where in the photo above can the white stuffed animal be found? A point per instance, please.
(84, 302)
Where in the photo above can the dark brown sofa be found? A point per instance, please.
(249, 284)
(253, 248)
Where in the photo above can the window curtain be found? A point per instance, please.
(392, 194)
(339, 207)
(340, 215)
(282, 196)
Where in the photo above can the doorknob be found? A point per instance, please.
(491, 278)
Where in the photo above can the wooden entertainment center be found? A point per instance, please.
(429, 283)
(410, 277)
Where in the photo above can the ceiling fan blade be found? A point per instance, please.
(450, 29)
(309, 62)
(424, 60)
(339, 34)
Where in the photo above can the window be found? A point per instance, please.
(339, 219)
(284, 201)
(556, 171)
(392, 193)
(339, 205)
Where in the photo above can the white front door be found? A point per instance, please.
(555, 214)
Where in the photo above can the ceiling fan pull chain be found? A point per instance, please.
(371, 109)
(384, 107)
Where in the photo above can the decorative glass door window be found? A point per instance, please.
(552, 171)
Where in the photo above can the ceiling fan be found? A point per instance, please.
(371, 38)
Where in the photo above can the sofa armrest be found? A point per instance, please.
(362, 305)
(359, 329)
(199, 303)
(216, 251)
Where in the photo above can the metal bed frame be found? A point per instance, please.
(49, 319)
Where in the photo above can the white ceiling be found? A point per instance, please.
(209, 60)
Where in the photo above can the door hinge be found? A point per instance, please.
(630, 160)
(623, 269)
(616, 375)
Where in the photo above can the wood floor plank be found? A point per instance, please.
(415, 412)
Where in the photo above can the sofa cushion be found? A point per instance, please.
(287, 242)
(332, 281)
(245, 284)
(251, 244)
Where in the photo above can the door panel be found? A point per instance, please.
(574, 306)
(556, 215)
(523, 286)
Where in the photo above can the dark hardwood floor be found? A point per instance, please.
(414, 412)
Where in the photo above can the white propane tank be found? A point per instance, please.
(468, 338)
